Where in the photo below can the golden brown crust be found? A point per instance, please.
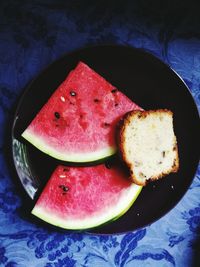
(121, 140)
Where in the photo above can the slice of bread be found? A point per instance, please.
(148, 144)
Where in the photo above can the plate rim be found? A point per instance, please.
(27, 87)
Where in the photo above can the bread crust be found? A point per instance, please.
(121, 140)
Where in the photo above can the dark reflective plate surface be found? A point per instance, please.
(149, 83)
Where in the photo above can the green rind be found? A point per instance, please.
(89, 223)
(67, 156)
(124, 211)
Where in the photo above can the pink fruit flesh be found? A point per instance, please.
(79, 192)
(82, 113)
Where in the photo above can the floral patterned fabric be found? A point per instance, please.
(34, 34)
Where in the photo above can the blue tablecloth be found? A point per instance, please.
(34, 34)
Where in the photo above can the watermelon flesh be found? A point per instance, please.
(78, 122)
(78, 198)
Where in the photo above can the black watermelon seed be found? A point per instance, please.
(116, 104)
(114, 90)
(66, 169)
(106, 124)
(57, 115)
(72, 93)
(64, 187)
(96, 100)
(108, 165)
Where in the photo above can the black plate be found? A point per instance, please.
(148, 82)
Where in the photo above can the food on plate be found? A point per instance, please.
(84, 197)
(77, 124)
(148, 144)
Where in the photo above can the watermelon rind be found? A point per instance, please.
(126, 200)
(91, 156)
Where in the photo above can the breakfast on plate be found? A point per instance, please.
(86, 120)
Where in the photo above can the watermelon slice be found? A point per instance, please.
(84, 197)
(77, 124)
